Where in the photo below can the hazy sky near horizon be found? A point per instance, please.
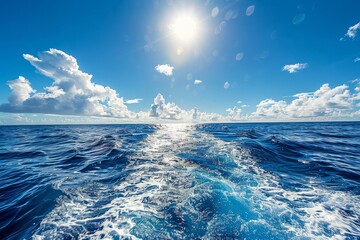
(180, 60)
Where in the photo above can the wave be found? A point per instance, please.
(181, 181)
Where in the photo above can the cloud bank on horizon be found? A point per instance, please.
(73, 92)
(325, 102)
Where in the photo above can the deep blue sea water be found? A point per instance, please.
(181, 181)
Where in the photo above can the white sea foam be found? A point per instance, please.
(157, 177)
(320, 211)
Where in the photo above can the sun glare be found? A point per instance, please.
(185, 27)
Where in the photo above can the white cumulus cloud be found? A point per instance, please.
(234, 113)
(226, 85)
(163, 110)
(71, 93)
(293, 68)
(197, 82)
(357, 59)
(21, 91)
(325, 102)
(165, 69)
(352, 31)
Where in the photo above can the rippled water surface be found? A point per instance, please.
(181, 181)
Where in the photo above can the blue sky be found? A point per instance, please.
(120, 43)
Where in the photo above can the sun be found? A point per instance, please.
(185, 27)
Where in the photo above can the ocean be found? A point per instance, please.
(181, 181)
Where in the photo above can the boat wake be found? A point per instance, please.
(181, 182)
